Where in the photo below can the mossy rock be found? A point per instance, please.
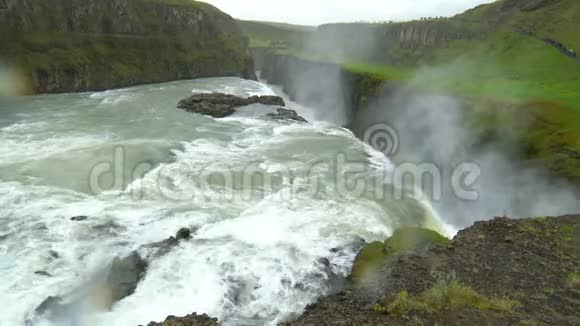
(374, 255)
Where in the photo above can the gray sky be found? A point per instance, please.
(315, 12)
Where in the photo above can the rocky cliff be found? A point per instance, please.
(79, 45)
(359, 100)
(499, 272)
(389, 42)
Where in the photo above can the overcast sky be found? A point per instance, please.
(315, 12)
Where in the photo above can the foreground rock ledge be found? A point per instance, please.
(190, 320)
(499, 272)
(219, 105)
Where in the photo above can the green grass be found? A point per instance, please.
(574, 279)
(372, 256)
(445, 296)
(508, 66)
(271, 35)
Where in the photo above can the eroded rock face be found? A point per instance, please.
(190, 320)
(219, 105)
(528, 269)
(104, 44)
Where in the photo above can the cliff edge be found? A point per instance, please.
(81, 45)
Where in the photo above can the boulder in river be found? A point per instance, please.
(219, 105)
(117, 282)
(163, 247)
(43, 273)
(183, 234)
(79, 218)
(285, 114)
(124, 275)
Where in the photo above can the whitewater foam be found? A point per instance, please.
(256, 256)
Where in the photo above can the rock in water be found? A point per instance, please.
(190, 320)
(43, 273)
(163, 247)
(183, 234)
(79, 218)
(285, 114)
(124, 275)
(49, 304)
(219, 105)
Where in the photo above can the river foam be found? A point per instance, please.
(256, 256)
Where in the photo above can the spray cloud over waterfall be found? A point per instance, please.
(447, 131)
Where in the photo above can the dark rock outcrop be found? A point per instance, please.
(285, 114)
(124, 275)
(79, 218)
(43, 273)
(112, 285)
(499, 272)
(190, 320)
(81, 45)
(183, 234)
(219, 105)
(164, 247)
(49, 304)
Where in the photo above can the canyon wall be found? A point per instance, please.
(80, 45)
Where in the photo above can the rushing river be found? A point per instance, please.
(140, 169)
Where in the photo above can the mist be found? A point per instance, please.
(432, 129)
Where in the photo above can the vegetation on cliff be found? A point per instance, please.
(275, 35)
(90, 45)
(495, 58)
(499, 272)
(371, 257)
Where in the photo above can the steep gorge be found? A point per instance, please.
(80, 45)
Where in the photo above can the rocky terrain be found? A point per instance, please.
(219, 105)
(115, 282)
(78, 45)
(498, 272)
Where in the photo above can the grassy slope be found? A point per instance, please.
(124, 59)
(278, 35)
(505, 67)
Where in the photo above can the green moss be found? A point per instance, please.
(369, 260)
(407, 239)
(373, 256)
(574, 279)
(447, 296)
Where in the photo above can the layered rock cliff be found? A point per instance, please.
(79, 45)
(389, 42)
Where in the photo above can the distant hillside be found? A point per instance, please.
(275, 35)
(517, 49)
(79, 45)
(503, 59)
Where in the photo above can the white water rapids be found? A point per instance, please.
(255, 258)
